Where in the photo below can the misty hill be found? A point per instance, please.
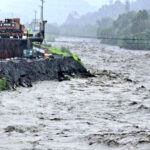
(61, 8)
(86, 25)
(106, 11)
(111, 11)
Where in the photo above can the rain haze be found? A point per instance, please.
(75, 75)
(56, 11)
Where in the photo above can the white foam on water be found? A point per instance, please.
(108, 112)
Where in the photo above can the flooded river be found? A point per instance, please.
(108, 112)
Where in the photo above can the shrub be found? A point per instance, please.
(4, 84)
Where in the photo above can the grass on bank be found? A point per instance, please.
(4, 84)
(63, 51)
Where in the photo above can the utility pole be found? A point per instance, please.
(42, 14)
(43, 22)
(35, 21)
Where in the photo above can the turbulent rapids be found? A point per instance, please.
(107, 112)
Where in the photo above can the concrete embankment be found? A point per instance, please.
(24, 72)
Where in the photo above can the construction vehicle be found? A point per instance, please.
(12, 28)
(16, 41)
(30, 53)
(34, 53)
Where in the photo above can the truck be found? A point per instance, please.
(12, 27)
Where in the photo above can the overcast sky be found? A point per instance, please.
(55, 10)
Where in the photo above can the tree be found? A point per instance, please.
(140, 22)
(133, 26)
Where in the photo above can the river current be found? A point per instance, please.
(108, 112)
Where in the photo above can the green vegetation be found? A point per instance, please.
(131, 31)
(63, 51)
(4, 85)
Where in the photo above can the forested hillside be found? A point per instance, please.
(131, 30)
(111, 20)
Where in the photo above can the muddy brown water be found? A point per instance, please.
(108, 112)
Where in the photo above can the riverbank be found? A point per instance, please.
(24, 72)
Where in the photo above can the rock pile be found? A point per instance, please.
(24, 72)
